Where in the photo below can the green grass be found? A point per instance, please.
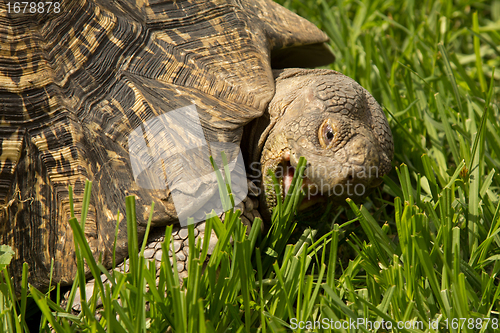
(432, 66)
(424, 249)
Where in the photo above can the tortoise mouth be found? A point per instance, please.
(312, 192)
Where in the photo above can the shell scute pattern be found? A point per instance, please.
(74, 85)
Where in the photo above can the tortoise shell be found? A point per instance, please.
(77, 81)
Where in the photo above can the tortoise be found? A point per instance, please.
(80, 80)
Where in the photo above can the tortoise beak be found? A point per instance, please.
(312, 191)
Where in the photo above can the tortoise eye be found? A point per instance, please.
(328, 134)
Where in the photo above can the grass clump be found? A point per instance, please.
(219, 293)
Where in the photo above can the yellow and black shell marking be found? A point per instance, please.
(75, 83)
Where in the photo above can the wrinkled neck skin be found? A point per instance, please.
(330, 120)
(257, 132)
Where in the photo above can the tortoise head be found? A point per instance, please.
(336, 125)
